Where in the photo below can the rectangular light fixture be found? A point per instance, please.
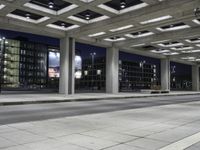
(121, 28)
(196, 41)
(115, 40)
(185, 52)
(171, 45)
(160, 51)
(187, 58)
(196, 21)
(182, 48)
(156, 19)
(174, 28)
(2, 6)
(138, 45)
(192, 51)
(195, 51)
(168, 54)
(139, 35)
(86, 21)
(97, 34)
(198, 45)
(87, 1)
(62, 28)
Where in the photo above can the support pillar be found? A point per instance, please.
(195, 78)
(112, 70)
(67, 58)
(165, 74)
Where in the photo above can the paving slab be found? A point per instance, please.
(146, 128)
(22, 99)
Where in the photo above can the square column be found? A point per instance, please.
(112, 70)
(165, 74)
(195, 78)
(67, 58)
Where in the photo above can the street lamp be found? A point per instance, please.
(93, 54)
(172, 72)
(142, 66)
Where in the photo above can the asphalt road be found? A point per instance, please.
(33, 112)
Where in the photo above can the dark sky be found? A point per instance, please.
(30, 37)
(138, 58)
(84, 50)
(182, 69)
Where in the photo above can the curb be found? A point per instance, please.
(89, 99)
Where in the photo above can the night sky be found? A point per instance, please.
(84, 50)
(182, 69)
(30, 37)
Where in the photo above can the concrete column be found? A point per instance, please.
(112, 70)
(165, 74)
(67, 58)
(195, 78)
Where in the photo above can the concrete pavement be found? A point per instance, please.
(20, 99)
(24, 113)
(164, 126)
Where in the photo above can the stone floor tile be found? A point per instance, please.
(123, 147)
(87, 141)
(21, 137)
(112, 136)
(147, 144)
(6, 143)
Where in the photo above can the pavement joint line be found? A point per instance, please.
(184, 143)
(90, 99)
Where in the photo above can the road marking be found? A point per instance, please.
(184, 143)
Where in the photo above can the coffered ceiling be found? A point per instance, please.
(160, 28)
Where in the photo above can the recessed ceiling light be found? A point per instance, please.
(138, 45)
(171, 45)
(187, 58)
(172, 53)
(139, 35)
(173, 28)
(196, 21)
(2, 6)
(28, 16)
(195, 51)
(123, 4)
(192, 51)
(182, 48)
(160, 51)
(87, 16)
(51, 4)
(198, 45)
(63, 25)
(121, 28)
(197, 40)
(62, 28)
(87, 1)
(115, 39)
(156, 19)
(96, 34)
